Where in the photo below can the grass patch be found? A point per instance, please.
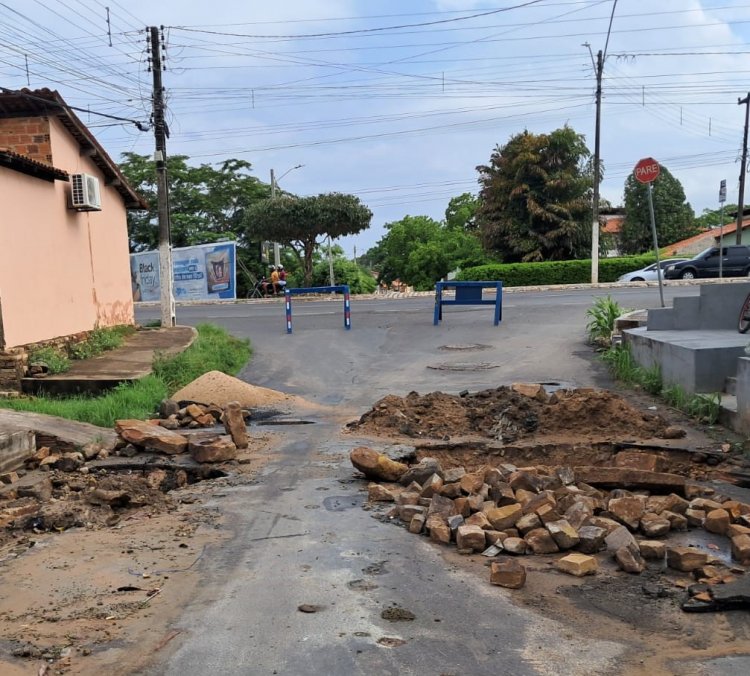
(55, 358)
(213, 350)
(100, 340)
(703, 407)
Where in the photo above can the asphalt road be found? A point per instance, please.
(299, 535)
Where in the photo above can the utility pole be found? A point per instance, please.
(743, 169)
(597, 177)
(162, 192)
(276, 247)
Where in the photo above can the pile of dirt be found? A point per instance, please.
(218, 388)
(506, 414)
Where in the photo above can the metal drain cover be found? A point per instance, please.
(464, 347)
(464, 366)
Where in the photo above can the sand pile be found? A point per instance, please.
(218, 388)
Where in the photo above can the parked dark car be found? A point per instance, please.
(735, 262)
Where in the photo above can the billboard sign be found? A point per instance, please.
(203, 272)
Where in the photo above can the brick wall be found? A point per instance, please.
(28, 136)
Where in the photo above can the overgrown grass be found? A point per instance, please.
(213, 350)
(703, 407)
(54, 357)
(100, 340)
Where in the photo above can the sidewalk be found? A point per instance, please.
(130, 362)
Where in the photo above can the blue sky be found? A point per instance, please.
(398, 102)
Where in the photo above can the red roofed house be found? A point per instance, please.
(64, 262)
(694, 245)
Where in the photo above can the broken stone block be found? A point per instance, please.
(407, 498)
(737, 529)
(564, 535)
(493, 476)
(741, 549)
(652, 549)
(462, 506)
(406, 512)
(502, 494)
(530, 390)
(578, 513)
(194, 410)
(695, 517)
(378, 493)
(114, 498)
(704, 504)
(522, 496)
(39, 490)
(432, 485)
(453, 475)
(219, 449)
(168, 407)
(630, 478)
(472, 483)
(438, 528)
(512, 532)
(454, 522)
(540, 541)
(420, 472)
(591, 539)
(234, 423)
(450, 490)
(677, 521)
(9, 477)
(525, 480)
(619, 538)
(492, 537)
(638, 460)
(470, 537)
(376, 465)
(548, 514)
(577, 564)
(505, 517)
(416, 525)
(630, 560)
(733, 507)
(654, 526)
(514, 545)
(627, 511)
(603, 522)
(717, 521)
(528, 522)
(508, 573)
(685, 559)
(479, 519)
(538, 501)
(475, 503)
(442, 506)
(566, 475)
(151, 437)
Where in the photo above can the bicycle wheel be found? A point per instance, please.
(744, 321)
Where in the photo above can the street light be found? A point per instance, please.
(276, 247)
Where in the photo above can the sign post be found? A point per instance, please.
(722, 199)
(647, 171)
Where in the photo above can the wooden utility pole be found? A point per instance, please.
(597, 176)
(162, 191)
(743, 170)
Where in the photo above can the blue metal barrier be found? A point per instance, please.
(343, 288)
(468, 293)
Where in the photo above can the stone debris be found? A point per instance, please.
(233, 418)
(506, 511)
(151, 437)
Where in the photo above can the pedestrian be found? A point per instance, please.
(282, 278)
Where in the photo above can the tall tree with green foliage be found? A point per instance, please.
(461, 212)
(673, 215)
(303, 223)
(711, 218)
(419, 251)
(535, 199)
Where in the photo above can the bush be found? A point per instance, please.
(554, 272)
(603, 315)
(100, 340)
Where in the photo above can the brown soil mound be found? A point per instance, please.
(506, 415)
(218, 388)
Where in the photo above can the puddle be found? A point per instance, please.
(464, 366)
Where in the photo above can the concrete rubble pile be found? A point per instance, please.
(506, 511)
(56, 490)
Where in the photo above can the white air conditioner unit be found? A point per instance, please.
(84, 193)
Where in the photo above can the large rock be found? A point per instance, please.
(540, 541)
(505, 517)
(438, 528)
(717, 521)
(618, 538)
(564, 535)
(514, 545)
(591, 539)
(528, 522)
(377, 466)
(442, 506)
(652, 549)
(151, 437)
(627, 511)
(378, 493)
(741, 549)
(431, 486)
(470, 537)
(508, 573)
(685, 559)
(630, 560)
(577, 564)
(472, 483)
(219, 449)
(654, 526)
(234, 424)
(420, 472)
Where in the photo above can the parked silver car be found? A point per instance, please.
(648, 274)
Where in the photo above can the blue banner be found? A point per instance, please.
(203, 272)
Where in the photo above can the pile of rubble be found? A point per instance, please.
(507, 510)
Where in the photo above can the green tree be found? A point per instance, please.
(535, 199)
(419, 251)
(303, 223)
(461, 212)
(711, 218)
(206, 205)
(674, 216)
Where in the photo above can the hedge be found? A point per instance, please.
(554, 272)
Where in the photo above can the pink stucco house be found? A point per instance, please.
(64, 263)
